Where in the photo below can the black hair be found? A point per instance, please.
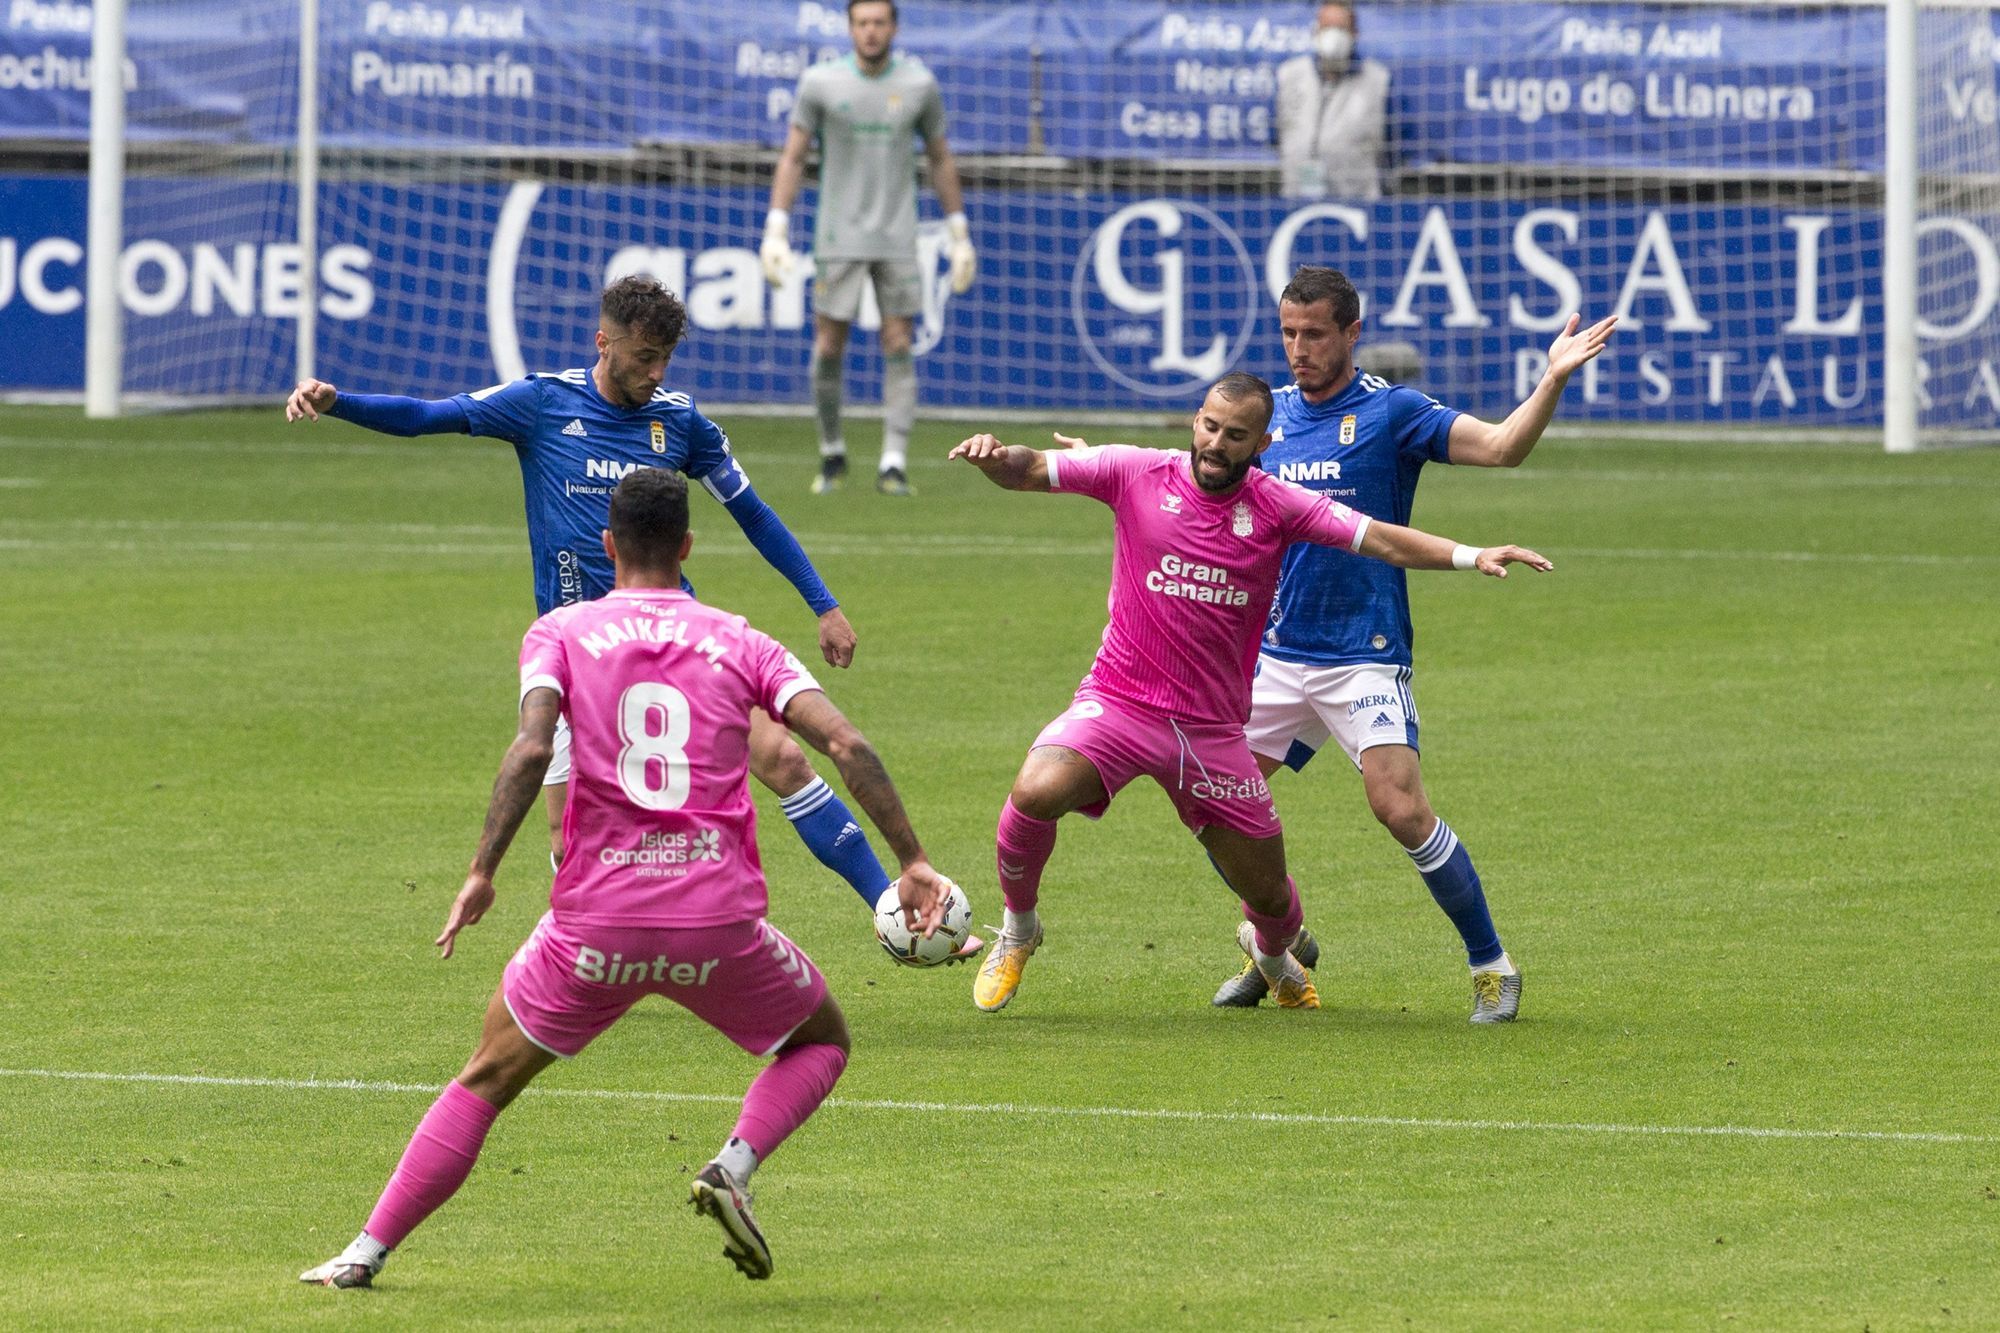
(891, 3)
(1241, 384)
(1312, 284)
(649, 517)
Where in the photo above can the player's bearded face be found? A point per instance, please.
(1228, 436)
(1319, 351)
(634, 365)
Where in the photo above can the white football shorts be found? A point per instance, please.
(1294, 709)
(559, 760)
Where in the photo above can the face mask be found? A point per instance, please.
(1334, 45)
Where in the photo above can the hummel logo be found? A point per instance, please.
(1171, 503)
(1013, 871)
(575, 428)
(1381, 720)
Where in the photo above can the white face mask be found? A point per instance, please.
(1334, 45)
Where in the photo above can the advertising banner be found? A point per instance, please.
(1729, 315)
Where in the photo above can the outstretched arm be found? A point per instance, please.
(1008, 466)
(1413, 549)
(812, 715)
(515, 788)
(390, 414)
(1476, 443)
(775, 542)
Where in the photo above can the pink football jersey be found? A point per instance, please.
(659, 829)
(1192, 574)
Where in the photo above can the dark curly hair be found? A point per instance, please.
(639, 304)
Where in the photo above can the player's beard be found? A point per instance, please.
(1234, 477)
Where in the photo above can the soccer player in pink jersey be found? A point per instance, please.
(661, 892)
(1198, 540)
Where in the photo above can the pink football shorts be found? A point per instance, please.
(568, 983)
(1206, 768)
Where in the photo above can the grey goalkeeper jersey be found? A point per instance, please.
(867, 171)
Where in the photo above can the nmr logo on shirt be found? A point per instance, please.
(608, 469)
(1319, 469)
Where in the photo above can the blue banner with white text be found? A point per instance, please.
(1739, 87)
(1729, 315)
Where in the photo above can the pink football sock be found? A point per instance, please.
(1275, 932)
(436, 1163)
(1024, 845)
(790, 1089)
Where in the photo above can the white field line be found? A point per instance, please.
(294, 446)
(1073, 1112)
(403, 539)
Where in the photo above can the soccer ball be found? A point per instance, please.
(914, 950)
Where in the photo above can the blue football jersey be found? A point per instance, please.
(574, 446)
(1364, 447)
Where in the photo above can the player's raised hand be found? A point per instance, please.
(466, 909)
(836, 638)
(922, 893)
(1495, 559)
(1070, 441)
(311, 398)
(1571, 349)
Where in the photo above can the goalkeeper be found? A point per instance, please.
(863, 109)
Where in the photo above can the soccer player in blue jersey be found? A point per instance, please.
(1335, 661)
(576, 432)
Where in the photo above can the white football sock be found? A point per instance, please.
(1272, 965)
(738, 1158)
(1503, 965)
(365, 1250)
(1020, 925)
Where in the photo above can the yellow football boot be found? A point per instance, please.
(1000, 975)
(1293, 990)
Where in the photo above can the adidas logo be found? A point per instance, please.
(847, 831)
(1381, 721)
(575, 428)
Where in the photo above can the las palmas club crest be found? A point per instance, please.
(1239, 519)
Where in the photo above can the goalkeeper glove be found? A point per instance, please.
(964, 263)
(776, 251)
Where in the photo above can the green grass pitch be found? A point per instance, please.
(1730, 775)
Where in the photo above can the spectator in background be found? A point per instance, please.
(1332, 115)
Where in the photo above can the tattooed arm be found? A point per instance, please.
(515, 788)
(812, 715)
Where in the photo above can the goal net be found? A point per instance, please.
(1141, 178)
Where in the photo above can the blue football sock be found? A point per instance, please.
(824, 825)
(1447, 870)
